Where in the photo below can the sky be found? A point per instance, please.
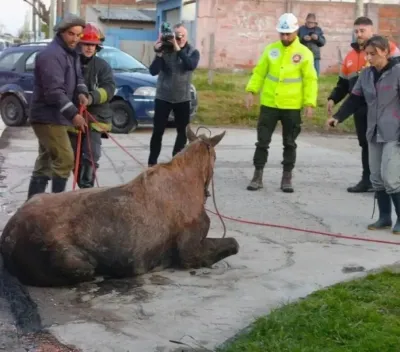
(12, 14)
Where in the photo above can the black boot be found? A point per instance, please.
(257, 182)
(363, 186)
(86, 175)
(37, 185)
(58, 184)
(396, 202)
(385, 212)
(286, 182)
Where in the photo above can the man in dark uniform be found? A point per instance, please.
(99, 79)
(58, 91)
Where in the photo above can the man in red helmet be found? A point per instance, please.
(99, 79)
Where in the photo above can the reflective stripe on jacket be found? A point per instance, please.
(286, 76)
(96, 126)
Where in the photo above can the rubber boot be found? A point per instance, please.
(286, 182)
(385, 212)
(396, 202)
(363, 186)
(58, 184)
(37, 185)
(256, 183)
(86, 175)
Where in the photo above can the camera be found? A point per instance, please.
(166, 35)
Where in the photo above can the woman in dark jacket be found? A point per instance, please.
(378, 85)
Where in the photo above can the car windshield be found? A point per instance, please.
(121, 61)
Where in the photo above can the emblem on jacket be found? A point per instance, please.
(274, 53)
(296, 58)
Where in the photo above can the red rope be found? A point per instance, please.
(250, 222)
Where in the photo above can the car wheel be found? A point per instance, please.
(12, 111)
(123, 120)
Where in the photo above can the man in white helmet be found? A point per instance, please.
(286, 75)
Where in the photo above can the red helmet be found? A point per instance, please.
(91, 35)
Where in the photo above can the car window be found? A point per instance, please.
(121, 61)
(30, 62)
(8, 61)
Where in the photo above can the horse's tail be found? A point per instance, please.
(23, 308)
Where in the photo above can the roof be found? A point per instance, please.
(125, 14)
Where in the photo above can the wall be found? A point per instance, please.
(137, 39)
(141, 47)
(389, 22)
(240, 29)
(133, 3)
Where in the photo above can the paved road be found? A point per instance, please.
(274, 265)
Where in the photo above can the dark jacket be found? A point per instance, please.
(175, 74)
(99, 79)
(57, 83)
(313, 45)
(375, 89)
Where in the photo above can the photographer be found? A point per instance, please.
(313, 38)
(174, 64)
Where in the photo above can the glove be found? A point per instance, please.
(90, 100)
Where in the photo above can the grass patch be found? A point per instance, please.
(222, 102)
(357, 316)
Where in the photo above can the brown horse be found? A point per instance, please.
(155, 221)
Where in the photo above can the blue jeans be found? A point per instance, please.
(316, 65)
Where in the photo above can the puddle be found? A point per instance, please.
(102, 287)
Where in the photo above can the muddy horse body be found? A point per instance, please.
(157, 220)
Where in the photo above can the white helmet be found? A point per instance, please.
(287, 23)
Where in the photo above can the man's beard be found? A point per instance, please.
(287, 42)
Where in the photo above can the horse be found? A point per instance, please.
(156, 221)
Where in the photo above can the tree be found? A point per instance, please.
(24, 33)
(40, 9)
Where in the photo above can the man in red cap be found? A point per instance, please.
(99, 79)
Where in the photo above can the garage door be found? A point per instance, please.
(172, 16)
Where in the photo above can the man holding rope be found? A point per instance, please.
(99, 79)
(58, 90)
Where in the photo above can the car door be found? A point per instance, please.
(8, 72)
(26, 76)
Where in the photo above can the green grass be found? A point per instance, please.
(222, 102)
(357, 316)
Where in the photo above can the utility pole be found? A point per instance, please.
(72, 6)
(359, 8)
(34, 28)
(52, 17)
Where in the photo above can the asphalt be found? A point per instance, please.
(205, 307)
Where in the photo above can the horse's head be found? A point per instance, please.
(206, 149)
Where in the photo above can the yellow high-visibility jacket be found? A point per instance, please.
(286, 76)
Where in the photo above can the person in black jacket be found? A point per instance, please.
(313, 38)
(174, 70)
(99, 79)
(57, 92)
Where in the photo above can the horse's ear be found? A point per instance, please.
(216, 139)
(190, 134)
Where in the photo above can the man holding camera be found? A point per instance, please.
(174, 64)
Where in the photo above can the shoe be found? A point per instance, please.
(385, 212)
(256, 183)
(86, 175)
(361, 187)
(37, 185)
(396, 202)
(286, 182)
(58, 184)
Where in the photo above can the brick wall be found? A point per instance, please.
(242, 28)
(389, 22)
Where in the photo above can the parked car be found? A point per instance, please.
(133, 102)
